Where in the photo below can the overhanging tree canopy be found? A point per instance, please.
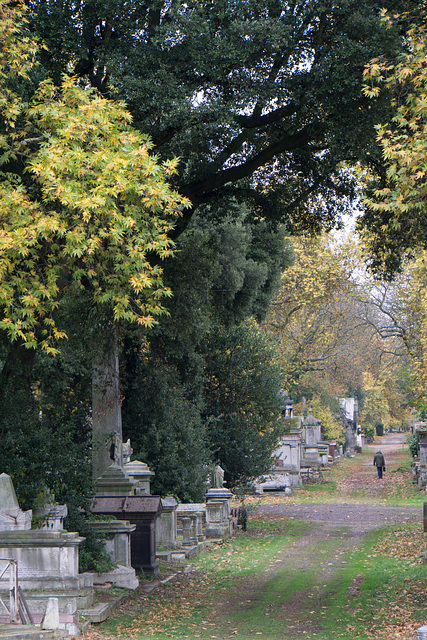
(260, 98)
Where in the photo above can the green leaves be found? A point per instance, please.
(95, 210)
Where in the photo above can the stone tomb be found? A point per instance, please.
(288, 456)
(143, 512)
(47, 560)
(117, 543)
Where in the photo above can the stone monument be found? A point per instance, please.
(122, 491)
(312, 430)
(218, 514)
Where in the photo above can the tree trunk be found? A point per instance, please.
(106, 403)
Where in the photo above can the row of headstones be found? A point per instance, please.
(189, 524)
(175, 527)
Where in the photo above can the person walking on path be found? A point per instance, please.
(379, 463)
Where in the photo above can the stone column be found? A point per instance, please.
(199, 527)
(185, 522)
(423, 447)
(193, 529)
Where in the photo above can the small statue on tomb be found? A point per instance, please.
(127, 451)
(217, 477)
(115, 449)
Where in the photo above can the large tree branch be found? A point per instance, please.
(271, 117)
(247, 168)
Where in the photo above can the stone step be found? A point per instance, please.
(29, 632)
(69, 601)
(102, 610)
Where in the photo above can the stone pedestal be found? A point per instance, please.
(114, 482)
(218, 519)
(311, 456)
(141, 476)
(142, 511)
(166, 524)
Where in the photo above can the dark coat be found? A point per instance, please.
(379, 459)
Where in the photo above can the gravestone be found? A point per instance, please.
(312, 430)
(288, 456)
(218, 513)
(12, 518)
(423, 446)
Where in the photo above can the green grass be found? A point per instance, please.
(328, 486)
(371, 593)
(249, 554)
(277, 526)
(379, 583)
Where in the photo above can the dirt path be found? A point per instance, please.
(337, 527)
